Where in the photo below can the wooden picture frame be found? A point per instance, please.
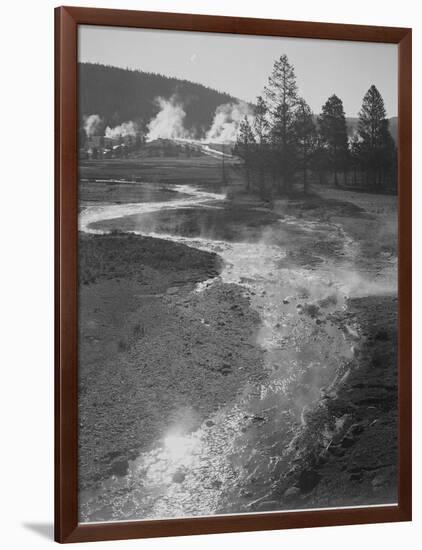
(67, 528)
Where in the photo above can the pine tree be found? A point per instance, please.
(306, 136)
(244, 148)
(261, 129)
(332, 126)
(282, 98)
(356, 156)
(377, 146)
(260, 125)
(389, 163)
(319, 160)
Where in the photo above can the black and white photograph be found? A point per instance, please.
(237, 274)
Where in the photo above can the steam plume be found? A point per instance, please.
(123, 130)
(226, 122)
(168, 123)
(92, 125)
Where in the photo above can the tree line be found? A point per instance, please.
(284, 143)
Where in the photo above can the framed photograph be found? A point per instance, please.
(233, 274)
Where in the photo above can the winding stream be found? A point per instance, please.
(208, 471)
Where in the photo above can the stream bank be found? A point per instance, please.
(154, 353)
(281, 331)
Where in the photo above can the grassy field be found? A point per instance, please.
(204, 171)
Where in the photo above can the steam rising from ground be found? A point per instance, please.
(125, 129)
(226, 122)
(169, 122)
(92, 125)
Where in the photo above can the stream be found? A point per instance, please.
(230, 463)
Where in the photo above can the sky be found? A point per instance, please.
(240, 64)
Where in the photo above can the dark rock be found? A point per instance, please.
(312, 310)
(226, 369)
(308, 479)
(179, 477)
(347, 442)
(120, 468)
(382, 335)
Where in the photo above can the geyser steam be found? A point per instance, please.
(125, 129)
(92, 125)
(226, 122)
(168, 123)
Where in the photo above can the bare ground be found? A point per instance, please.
(150, 348)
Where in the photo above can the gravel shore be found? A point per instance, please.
(345, 453)
(152, 350)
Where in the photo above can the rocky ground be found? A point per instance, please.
(345, 449)
(360, 457)
(151, 349)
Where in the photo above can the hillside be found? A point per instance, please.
(120, 95)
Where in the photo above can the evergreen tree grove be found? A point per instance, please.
(376, 153)
(306, 138)
(285, 143)
(244, 148)
(332, 126)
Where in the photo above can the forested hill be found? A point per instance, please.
(120, 95)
